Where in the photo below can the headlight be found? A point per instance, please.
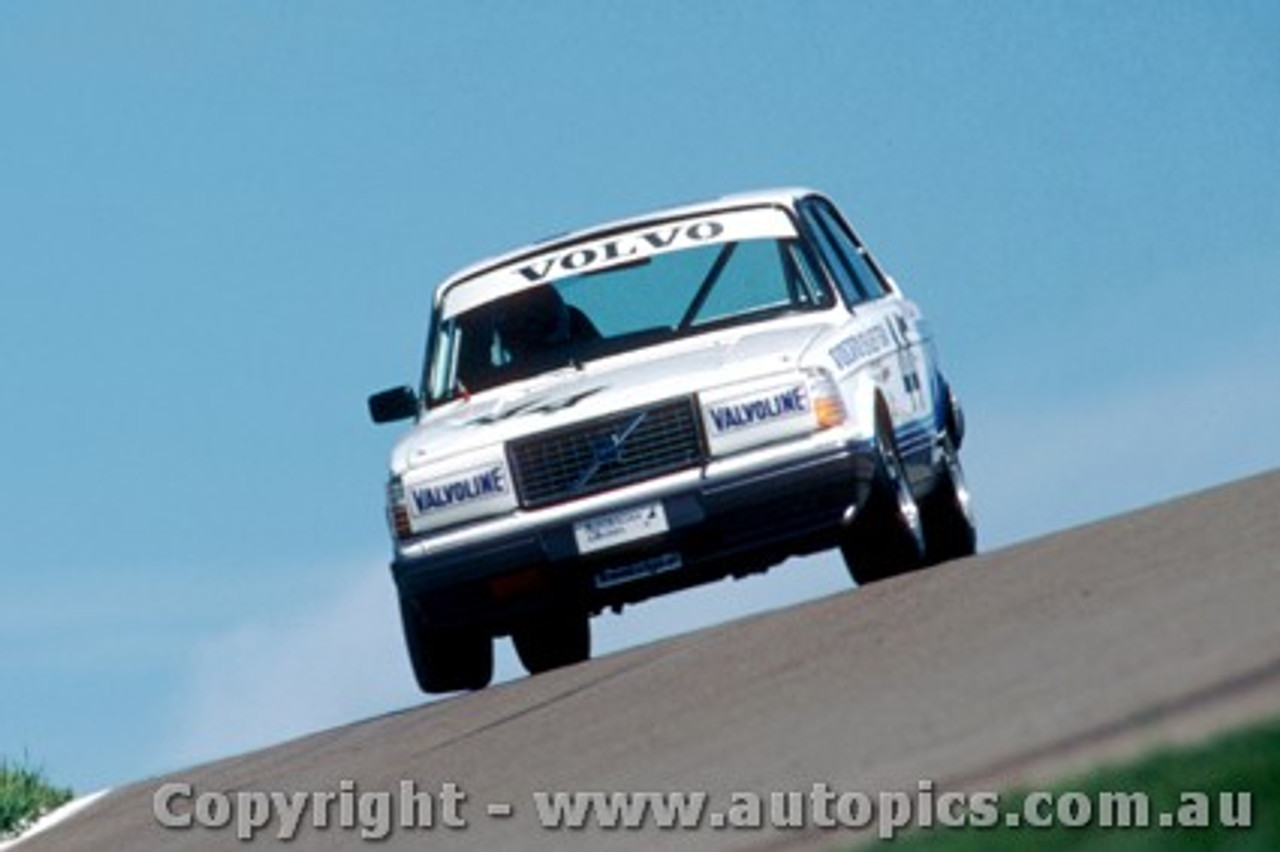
(398, 510)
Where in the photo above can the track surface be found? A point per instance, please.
(1092, 643)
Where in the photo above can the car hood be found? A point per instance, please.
(598, 388)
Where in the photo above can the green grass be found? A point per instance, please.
(24, 796)
(1247, 760)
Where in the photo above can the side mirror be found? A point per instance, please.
(395, 404)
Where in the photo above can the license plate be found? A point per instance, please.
(618, 528)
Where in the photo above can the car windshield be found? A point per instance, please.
(582, 301)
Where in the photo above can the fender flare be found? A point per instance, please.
(863, 402)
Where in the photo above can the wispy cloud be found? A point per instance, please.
(265, 681)
(1111, 449)
(343, 659)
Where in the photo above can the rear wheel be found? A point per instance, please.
(950, 531)
(887, 537)
(552, 641)
(446, 659)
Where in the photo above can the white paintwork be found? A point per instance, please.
(878, 347)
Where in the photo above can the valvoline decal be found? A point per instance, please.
(756, 411)
(467, 488)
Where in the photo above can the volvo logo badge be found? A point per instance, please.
(607, 449)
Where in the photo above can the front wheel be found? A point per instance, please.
(446, 659)
(552, 641)
(887, 537)
(950, 531)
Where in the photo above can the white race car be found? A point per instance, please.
(651, 404)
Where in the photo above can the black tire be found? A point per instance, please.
(950, 531)
(955, 417)
(446, 659)
(553, 641)
(886, 538)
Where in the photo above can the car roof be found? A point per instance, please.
(784, 197)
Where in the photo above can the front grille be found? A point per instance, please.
(606, 453)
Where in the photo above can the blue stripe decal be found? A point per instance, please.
(915, 436)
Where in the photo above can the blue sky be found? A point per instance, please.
(220, 223)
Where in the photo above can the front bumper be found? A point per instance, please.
(730, 518)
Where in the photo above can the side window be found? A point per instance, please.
(850, 255)
(847, 284)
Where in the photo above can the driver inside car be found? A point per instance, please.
(538, 321)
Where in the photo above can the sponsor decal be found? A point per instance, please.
(621, 249)
(637, 570)
(615, 250)
(860, 346)
(478, 485)
(621, 527)
(760, 410)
